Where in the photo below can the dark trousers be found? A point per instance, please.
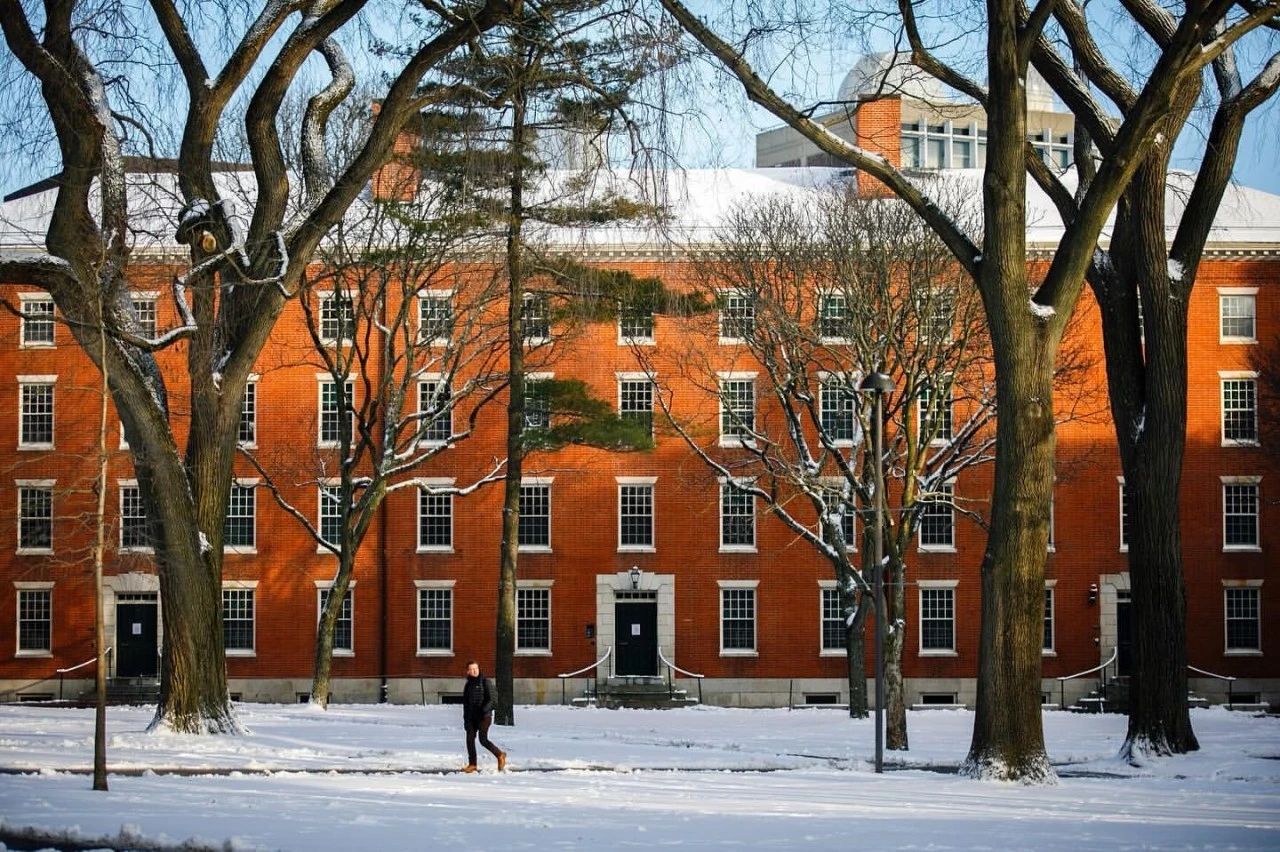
(480, 726)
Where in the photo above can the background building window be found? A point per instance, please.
(838, 410)
(537, 317)
(237, 619)
(937, 620)
(1240, 515)
(1124, 516)
(937, 518)
(37, 321)
(533, 619)
(435, 520)
(331, 407)
(1240, 411)
(35, 413)
(737, 316)
(435, 317)
(35, 621)
(1244, 631)
(737, 517)
(737, 410)
(435, 399)
(239, 529)
(635, 516)
(1237, 313)
(144, 313)
(247, 430)
(635, 402)
(35, 518)
(537, 402)
(535, 516)
(738, 619)
(833, 316)
(133, 519)
(834, 501)
(1047, 643)
(935, 415)
(337, 318)
(330, 500)
(343, 633)
(435, 619)
(834, 634)
(635, 324)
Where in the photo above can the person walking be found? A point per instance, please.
(477, 716)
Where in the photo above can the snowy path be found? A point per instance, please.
(1227, 796)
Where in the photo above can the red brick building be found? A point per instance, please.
(623, 547)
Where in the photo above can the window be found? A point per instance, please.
(837, 403)
(435, 620)
(937, 619)
(37, 320)
(35, 621)
(1053, 534)
(1239, 513)
(1046, 644)
(435, 403)
(535, 516)
(737, 408)
(35, 517)
(1237, 311)
(1243, 621)
(834, 632)
(1124, 516)
(833, 497)
(435, 519)
(935, 312)
(533, 619)
(133, 518)
(330, 503)
(343, 632)
(537, 401)
(737, 518)
(435, 316)
(247, 430)
(935, 415)
(337, 317)
(331, 407)
(635, 324)
(238, 530)
(537, 318)
(833, 316)
(144, 313)
(737, 620)
(1239, 410)
(35, 412)
(937, 519)
(237, 620)
(635, 400)
(737, 317)
(635, 515)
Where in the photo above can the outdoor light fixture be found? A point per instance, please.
(1093, 593)
(878, 384)
(635, 577)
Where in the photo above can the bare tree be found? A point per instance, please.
(1026, 321)
(242, 270)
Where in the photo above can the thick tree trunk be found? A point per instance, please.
(895, 738)
(320, 688)
(856, 655)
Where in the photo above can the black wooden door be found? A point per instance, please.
(1124, 638)
(636, 638)
(136, 640)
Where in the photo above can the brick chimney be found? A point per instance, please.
(396, 179)
(878, 130)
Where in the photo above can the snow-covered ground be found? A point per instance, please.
(370, 777)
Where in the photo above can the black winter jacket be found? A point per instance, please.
(477, 699)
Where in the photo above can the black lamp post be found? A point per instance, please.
(878, 384)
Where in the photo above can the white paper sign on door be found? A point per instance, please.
(635, 630)
(137, 628)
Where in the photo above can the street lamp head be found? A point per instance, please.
(876, 382)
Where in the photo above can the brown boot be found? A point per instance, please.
(502, 760)
(469, 768)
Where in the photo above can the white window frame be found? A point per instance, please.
(250, 382)
(122, 484)
(1225, 376)
(323, 586)
(831, 380)
(242, 585)
(924, 401)
(723, 489)
(20, 484)
(730, 439)
(531, 379)
(651, 340)
(52, 382)
(1256, 482)
(1227, 586)
(21, 586)
(825, 586)
(29, 298)
(638, 378)
(424, 298)
(325, 296)
(834, 483)
(529, 481)
(541, 339)
(528, 585)
(932, 585)
(940, 548)
(137, 297)
(252, 485)
(1123, 508)
(1251, 292)
(831, 340)
(435, 379)
(321, 380)
(441, 585)
(1051, 594)
(726, 295)
(649, 482)
(753, 586)
(423, 485)
(321, 486)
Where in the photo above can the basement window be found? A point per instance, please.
(938, 698)
(818, 699)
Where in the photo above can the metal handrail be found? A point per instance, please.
(63, 672)
(1062, 681)
(673, 667)
(1231, 696)
(565, 677)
